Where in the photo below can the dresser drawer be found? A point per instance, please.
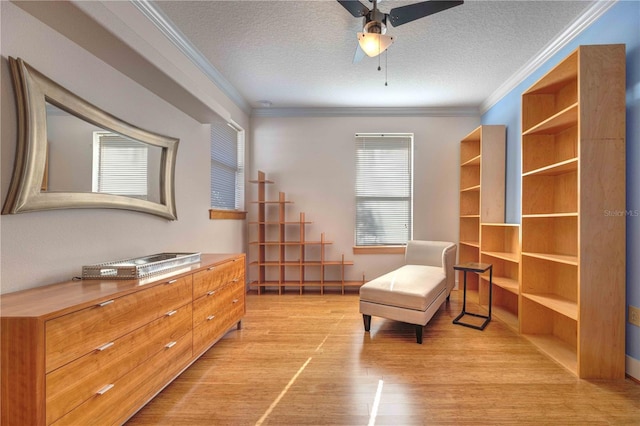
(209, 307)
(76, 334)
(209, 318)
(206, 334)
(214, 315)
(111, 361)
(217, 276)
(118, 400)
(236, 309)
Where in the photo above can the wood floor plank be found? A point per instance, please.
(306, 360)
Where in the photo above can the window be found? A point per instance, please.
(119, 165)
(227, 166)
(384, 189)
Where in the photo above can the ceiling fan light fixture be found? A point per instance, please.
(374, 44)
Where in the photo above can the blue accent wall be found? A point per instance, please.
(620, 24)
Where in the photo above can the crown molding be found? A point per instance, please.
(366, 112)
(169, 30)
(595, 11)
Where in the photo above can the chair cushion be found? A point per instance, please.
(410, 287)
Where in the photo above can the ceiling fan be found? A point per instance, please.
(373, 40)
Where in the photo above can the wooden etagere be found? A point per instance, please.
(501, 248)
(275, 269)
(482, 171)
(573, 173)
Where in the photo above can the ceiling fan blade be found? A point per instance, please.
(354, 7)
(403, 14)
(357, 57)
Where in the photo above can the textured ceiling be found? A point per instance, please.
(299, 53)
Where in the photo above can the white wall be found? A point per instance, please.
(44, 247)
(312, 160)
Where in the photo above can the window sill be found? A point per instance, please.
(378, 249)
(227, 214)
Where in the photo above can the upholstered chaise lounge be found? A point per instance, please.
(414, 292)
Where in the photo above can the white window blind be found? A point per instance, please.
(227, 166)
(119, 165)
(384, 187)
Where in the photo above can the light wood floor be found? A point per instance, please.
(306, 360)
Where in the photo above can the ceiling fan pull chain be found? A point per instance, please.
(386, 66)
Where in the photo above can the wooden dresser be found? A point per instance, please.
(96, 351)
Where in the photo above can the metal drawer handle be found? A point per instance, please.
(172, 281)
(108, 302)
(235, 300)
(236, 280)
(170, 345)
(211, 293)
(210, 317)
(105, 389)
(170, 313)
(211, 268)
(105, 346)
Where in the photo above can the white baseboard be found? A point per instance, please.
(633, 367)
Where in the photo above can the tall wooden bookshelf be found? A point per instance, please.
(482, 172)
(275, 248)
(573, 204)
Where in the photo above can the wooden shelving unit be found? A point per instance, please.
(275, 249)
(482, 171)
(573, 172)
(501, 248)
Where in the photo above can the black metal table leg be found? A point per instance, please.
(477, 268)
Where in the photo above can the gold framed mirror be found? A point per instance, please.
(72, 154)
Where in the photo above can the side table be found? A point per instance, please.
(477, 268)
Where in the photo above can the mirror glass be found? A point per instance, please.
(83, 157)
(72, 154)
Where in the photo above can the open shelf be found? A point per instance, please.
(475, 161)
(470, 147)
(552, 257)
(566, 166)
(554, 333)
(547, 194)
(565, 307)
(501, 247)
(557, 123)
(568, 214)
(475, 244)
(555, 237)
(553, 93)
(301, 285)
(509, 284)
(509, 257)
(541, 151)
(469, 177)
(563, 353)
(506, 316)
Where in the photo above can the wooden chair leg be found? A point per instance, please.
(419, 334)
(367, 322)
